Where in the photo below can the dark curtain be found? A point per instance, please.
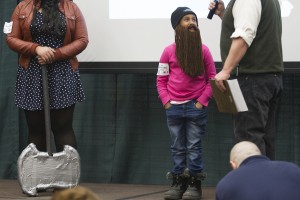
(121, 127)
(9, 114)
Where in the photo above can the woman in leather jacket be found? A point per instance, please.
(48, 33)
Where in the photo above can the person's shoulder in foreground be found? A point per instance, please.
(255, 176)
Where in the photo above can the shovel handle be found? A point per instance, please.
(46, 108)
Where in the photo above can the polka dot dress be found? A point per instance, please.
(64, 83)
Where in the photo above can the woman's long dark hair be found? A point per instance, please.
(52, 22)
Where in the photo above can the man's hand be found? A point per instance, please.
(220, 9)
(219, 78)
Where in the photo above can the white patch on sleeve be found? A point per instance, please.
(7, 27)
(163, 69)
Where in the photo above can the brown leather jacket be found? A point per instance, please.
(20, 40)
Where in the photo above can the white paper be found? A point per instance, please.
(7, 27)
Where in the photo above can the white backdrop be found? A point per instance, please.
(138, 30)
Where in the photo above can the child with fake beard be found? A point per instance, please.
(184, 70)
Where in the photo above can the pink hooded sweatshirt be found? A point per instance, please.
(173, 84)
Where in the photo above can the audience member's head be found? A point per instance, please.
(241, 151)
(76, 193)
(255, 176)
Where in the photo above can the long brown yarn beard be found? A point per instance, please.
(189, 50)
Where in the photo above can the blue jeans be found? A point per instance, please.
(262, 94)
(187, 126)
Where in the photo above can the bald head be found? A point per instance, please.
(241, 151)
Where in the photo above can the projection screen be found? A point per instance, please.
(138, 30)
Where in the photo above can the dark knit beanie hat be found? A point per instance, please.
(179, 13)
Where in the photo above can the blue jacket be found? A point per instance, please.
(259, 178)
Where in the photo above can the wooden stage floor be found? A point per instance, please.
(10, 189)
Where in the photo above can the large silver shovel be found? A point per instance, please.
(39, 171)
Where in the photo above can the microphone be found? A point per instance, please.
(212, 11)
